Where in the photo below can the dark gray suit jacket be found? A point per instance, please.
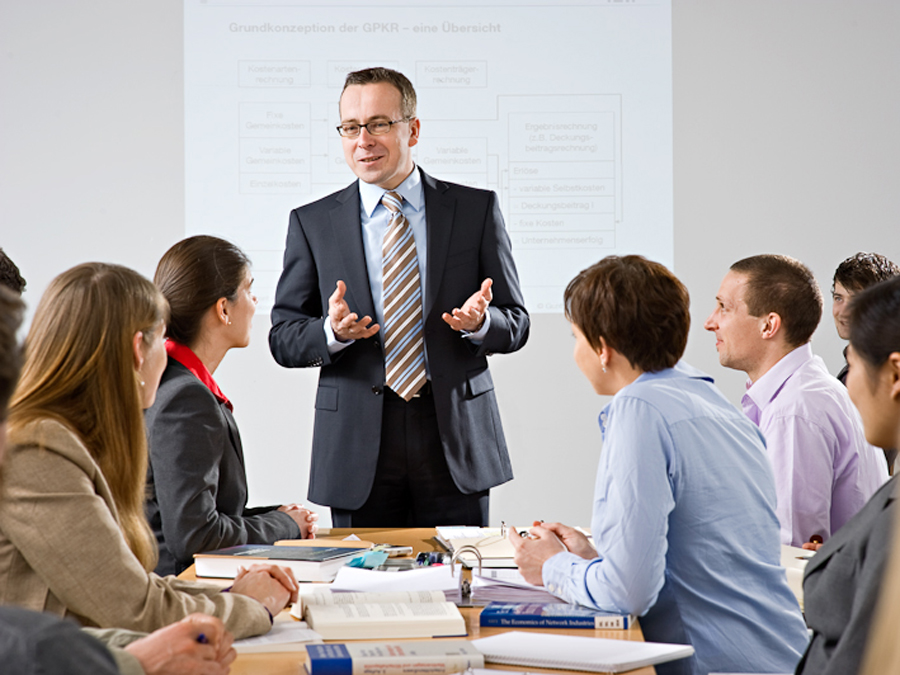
(197, 485)
(467, 242)
(842, 584)
(42, 644)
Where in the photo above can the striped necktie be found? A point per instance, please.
(404, 347)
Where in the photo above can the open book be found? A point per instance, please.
(327, 597)
(377, 616)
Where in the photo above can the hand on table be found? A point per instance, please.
(305, 519)
(271, 585)
(347, 325)
(471, 315)
(178, 649)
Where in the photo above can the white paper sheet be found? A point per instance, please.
(434, 578)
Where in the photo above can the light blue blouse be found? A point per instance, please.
(684, 523)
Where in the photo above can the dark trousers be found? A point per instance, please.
(413, 486)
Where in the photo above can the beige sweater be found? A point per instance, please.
(61, 549)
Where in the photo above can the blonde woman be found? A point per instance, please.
(73, 537)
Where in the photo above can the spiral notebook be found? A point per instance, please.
(567, 652)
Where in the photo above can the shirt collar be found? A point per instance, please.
(681, 369)
(186, 357)
(766, 388)
(410, 189)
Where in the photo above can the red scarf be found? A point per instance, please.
(186, 357)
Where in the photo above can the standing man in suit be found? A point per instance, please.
(399, 287)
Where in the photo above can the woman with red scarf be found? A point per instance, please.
(197, 483)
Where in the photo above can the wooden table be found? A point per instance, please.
(291, 663)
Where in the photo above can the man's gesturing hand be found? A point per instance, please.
(346, 325)
(471, 315)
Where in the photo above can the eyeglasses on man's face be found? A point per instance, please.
(376, 128)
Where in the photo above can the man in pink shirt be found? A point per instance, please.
(768, 307)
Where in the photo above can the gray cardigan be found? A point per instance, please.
(842, 584)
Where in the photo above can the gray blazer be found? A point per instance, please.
(467, 242)
(841, 586)
(197, 485)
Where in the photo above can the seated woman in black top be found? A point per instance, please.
(843, 580)
(197, 483)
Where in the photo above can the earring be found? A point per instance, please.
(603, 368)
(143, 383)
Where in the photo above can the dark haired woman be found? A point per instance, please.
(198, 487)
(684, 505)
(845, 579)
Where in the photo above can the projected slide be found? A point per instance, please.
(565, 110)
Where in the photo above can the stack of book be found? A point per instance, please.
(309, 563)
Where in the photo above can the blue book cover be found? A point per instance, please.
(328, 659)
(434, 657)
(550, 615)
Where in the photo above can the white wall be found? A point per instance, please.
(785, 141)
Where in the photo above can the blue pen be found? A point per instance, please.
(202, 639)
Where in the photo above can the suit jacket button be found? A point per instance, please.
(376, 390)
(376, 343)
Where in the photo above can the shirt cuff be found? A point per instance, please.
(127, 663)
(332, 343)
(556, 572)
(481, 333)
(566, 575)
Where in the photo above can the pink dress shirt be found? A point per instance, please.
(824, 469)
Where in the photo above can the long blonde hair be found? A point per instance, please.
(79, 369)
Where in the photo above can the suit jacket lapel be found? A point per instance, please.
(348, 234)
(439, 211)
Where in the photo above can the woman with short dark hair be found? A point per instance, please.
(198, 487)
(684, 505)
